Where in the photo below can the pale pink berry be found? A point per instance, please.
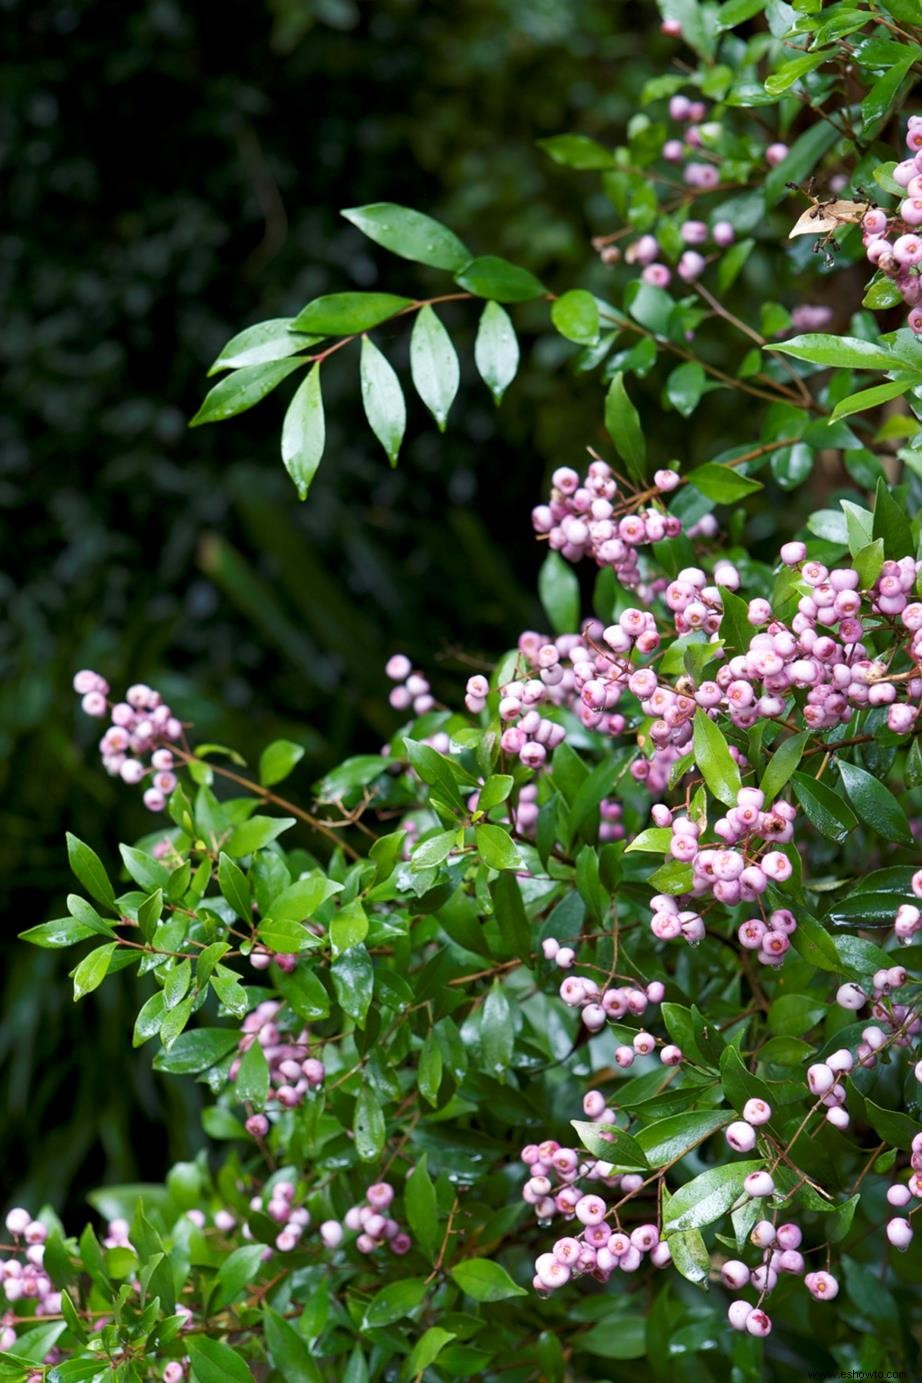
(820, 1078)
(741, 1136)
(738, 1314)
(821, 1285)
(331, 1232)
(757, 1112)
(759, 1184)
(899, 1233)
(851, 996)
(735, 1274)
(173, 1372)
(775, 154)
(758, 1323)
(18, 1220)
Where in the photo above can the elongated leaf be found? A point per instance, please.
(93, 969)
(497, 1032)
(722, 484)
(410, 234)
(782, 764)
(242, 390)
(393, 1301)
(492, 277)
(304, 433)
(849, 352)
(496, 350)
(213, 1361)
(252, 1084)
(88, 868)
(577, 151)
(368, 1125)
(434, 365)
(261, 344)
(708, 1196)
(875, 803)
(422, 1207)
(485, 1280)
(612, 1144)
(825, 809)
(622, 423)
(348, 314)
(558, 587)
(873, 398)
(382, 398)
(667, 1139)
(496, 847)
(712, 756)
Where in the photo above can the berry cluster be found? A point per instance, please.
(598, 1005)
(22, 1274)
(371, 1222)
(892, 241)
(412, 690)
(585, 518)
(143, 728)
(278, 1202)
(781, 1255)
(293, 1073)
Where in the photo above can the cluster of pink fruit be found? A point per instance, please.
(140, 743)
(293, 1073)
(781, 1254)
(892, 241)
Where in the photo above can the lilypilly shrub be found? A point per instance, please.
(579, 1029)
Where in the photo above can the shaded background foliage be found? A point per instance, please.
(172, 173)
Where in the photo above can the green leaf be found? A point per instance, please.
(892, 1125)
(612, 1144)
(485, 1280)
(491, 277)
(262, 343)
(496, 847)
(792, 1015)
(433, 365)
(494, 791)
(689, 1254)
(176, 983)
(558, 587)
(511, 918)
(737, 1082)
(302, 899)
(429, 1070)
(790, 72)
(825, 809)
(304, 433)
(872, 398)
(848, 352)
(496, 350)
(874, 803)
(349, 927)
(241, 390)
(65, 931)
(722, 484)
(289, 1352)
(195, 1051)
(144, 869)
(802, 158)
(712, 756)
(382, 399)
(422, 1207)
(654, 840)
(93, 969)
(782, 764)
(410, 234)
(87, 867)
(709, 1195)
(252, 1083)
(670, 1138)
(353, 773)
(235, 1273)
(395, 1300)
(426, 1350)
(497, 1032)
(434, 850)
(685, 385)
(368, 1125)
(891, 522)
(576, 316)
(277, 760)
(252, 835)
(577, 151)
(622, 423)
(877, 103)
(868, 562)
(215, 1362)
(348, 314)
(353, 980)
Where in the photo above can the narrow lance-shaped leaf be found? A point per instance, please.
(347, 314)
(261, 344)
(874, 803)
(622, 423)
(304, 433)
(496, 350)
(713, 758)
(382, 398)
(434, 365)
(410, 234)
(241, 390)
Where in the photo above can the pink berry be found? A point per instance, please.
(757, 1112)
(775, 154)
(741, 1136)
(759, 1184)
(821, 1285)
(899, 1232)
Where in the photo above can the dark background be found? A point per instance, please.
(171, 173)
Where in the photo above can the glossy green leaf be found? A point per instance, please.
(252, 835)
(824, 808)
(874, 803)
(622, 423)
(577, 151)
(353, 981)
(88, 868)
(558, 587)
(707, 1196)
(495, 278)
(712, 756)
(236, 1272)
(684, 387)
(576, 316)
(288, 1350)
(242, 389)
(277, 760)
(368, 1125)
(872, 398)
(421, 1205)
(722, 484)
(410, 234)
(261, 344)
(382, 397)
(668, 1139)
(252, 1083)
(496, 350)
(93, 969)
(848, 352)
(434, 365)
(348, 314)
(213, 1361)
(782, 764)
(497, 1032)
(304, 433)
(612, 1144)
(484, 1280)
(395, 1300)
